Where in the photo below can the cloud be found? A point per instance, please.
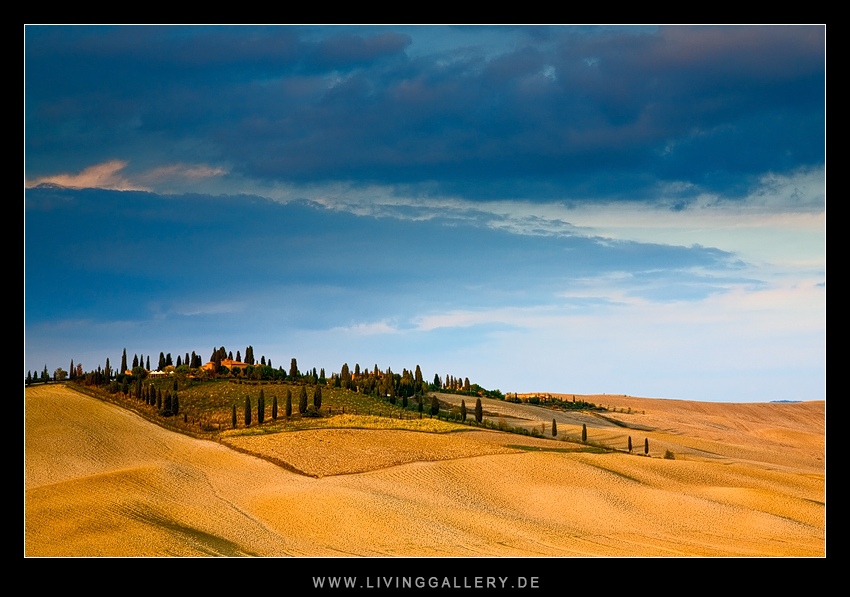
(346, 50)
(107, 175)
(368, 328)
(181, 171)
(112, 176)
(790, 206)
(479, 113)
(199, 309)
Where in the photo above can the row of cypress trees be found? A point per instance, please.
(261, 405)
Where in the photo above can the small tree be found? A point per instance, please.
(317, 397)
(630, 444)
(583, 432)
(175, 404)
(233, 417)
(462, 410)
(479, 411)
(435, 405)
(247, 411)
(288, 403)
(274, 408)
(646, 446)
(554, 428)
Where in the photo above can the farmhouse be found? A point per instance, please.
(229, 363)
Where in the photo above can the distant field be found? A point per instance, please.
(746, 480)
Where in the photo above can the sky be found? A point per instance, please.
(566, 209)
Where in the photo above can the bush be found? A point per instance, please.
(669, 455)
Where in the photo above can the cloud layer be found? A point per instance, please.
(576, 209)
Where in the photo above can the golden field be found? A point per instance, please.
(747, 480)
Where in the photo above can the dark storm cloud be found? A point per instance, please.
(113, 252)
(557, 113)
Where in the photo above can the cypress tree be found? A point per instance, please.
(261, 408)
(233, 417)
(479, 411)
(247, 411)
(554, 428)
(274, 408)
(462, 410)
(583, 432)
(317, 397)
(302, 400)
(435, 406)
(630, 444)
(175, 404)
(288, 403)
(646, 446)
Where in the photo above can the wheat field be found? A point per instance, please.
(747, 480)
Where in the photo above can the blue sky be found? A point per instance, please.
(635, 210)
